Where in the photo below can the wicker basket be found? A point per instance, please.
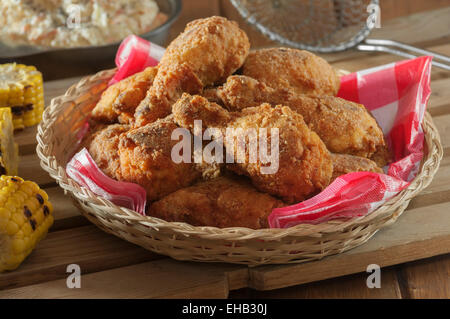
(56, 135)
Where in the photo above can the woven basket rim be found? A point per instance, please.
(428, 168)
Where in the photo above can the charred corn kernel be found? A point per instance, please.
(22, 90)
(25, 217)
(9, 151)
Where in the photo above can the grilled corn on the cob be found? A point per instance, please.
(25, 217)
(9, 152)
(21, 89)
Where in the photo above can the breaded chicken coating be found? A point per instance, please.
(300, 71)
(222, 202)
(206, 53)
(118, 102)
(103, 146)
(303, 165)
(345, 127)
(345, 164)
(145, 159)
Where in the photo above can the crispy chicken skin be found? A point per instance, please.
(118, 103)
(103, 144)
(304, 164)
(345, 127)
(299, 71)
(222, 202)
(145, 159)
(344, 164)
(240, 92)
(382, 156)
(206, 53)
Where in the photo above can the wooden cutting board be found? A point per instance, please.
(114, 268)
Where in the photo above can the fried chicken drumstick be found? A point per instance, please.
(345, 127)
(223, 202)
(304, 166)
(206, 53)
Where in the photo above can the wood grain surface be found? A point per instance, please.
(113, 268)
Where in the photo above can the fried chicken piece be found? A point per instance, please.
(382, 156)
(344, 164)
(103, 146)
(223, 202)
(93, 128)
(345, 127)
(299, 71)
(240, 92)
(118, 102)
(301, 166)
(206, 53)
(145, 159)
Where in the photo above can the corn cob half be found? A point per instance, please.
(21, 89)
(25, 217)
(9, 151)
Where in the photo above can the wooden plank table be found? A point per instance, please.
(113, 268)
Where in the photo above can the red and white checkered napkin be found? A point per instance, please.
(85, 172)
(134, 55)
(396, 94)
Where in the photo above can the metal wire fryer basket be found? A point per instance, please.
(326, 26)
